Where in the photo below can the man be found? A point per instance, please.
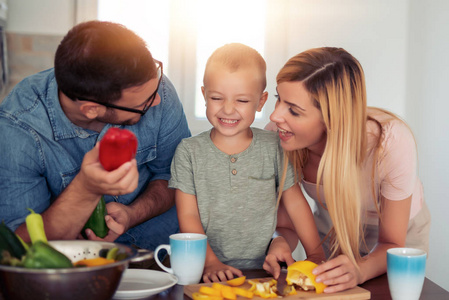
(50, 126)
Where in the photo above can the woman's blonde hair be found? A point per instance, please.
(335, 81)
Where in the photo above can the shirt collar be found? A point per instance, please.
(62, 127)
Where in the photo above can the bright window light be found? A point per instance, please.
(223, 22)
(147, 18)
(214, 23)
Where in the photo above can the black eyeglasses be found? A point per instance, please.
(148, 102)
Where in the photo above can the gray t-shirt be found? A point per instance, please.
(236, 194)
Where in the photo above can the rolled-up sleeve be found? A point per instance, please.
(22, 181)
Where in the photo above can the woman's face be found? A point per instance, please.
(300, 123)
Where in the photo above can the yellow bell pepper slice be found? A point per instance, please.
(300, 268)
(228, 293)
(292, 291)
(243, 292)
(225, 290)
(264, 289)
(217, 286)
(237, 281)
(207, 290)
(93, 262)
(253, 283)
(199, 296)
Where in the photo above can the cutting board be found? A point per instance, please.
(356, 293)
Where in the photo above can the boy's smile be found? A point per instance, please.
(228, 122)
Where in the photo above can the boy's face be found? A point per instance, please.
(232, 98)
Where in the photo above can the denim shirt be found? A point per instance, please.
(42, 150)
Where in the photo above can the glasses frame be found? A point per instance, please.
(148, 103)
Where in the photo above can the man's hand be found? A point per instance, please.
(117, 221)
(96, 180)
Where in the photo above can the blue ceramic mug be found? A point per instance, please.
(406, 270)
(187, 256)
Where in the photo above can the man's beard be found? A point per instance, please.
(110, 117)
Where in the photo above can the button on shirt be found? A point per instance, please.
(42, 150)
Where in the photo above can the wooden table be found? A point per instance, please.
(377, 286)
(379, 289)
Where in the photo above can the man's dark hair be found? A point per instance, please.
(97, 60)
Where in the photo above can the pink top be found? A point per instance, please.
(397, 168)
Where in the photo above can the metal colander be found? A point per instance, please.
(96, 283)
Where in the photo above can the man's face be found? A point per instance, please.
(134, 97)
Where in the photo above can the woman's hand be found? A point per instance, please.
(338, 274)
(218, 271)
(279, 251)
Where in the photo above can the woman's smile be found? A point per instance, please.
(284, 135)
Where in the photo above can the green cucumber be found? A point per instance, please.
(96, 221)
(10, 242)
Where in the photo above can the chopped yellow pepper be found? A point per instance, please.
(207, 290)
(228, 293)
(300, 273)
(263, 289)
(237, 281)
(92, 262)
(243, 292)
(253, 283)
(217, 286)
(199, 296)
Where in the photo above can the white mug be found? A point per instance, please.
(187, 256)
(406, 270)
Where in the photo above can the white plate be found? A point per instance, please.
(138, 283)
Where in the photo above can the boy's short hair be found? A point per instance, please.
(235, 56)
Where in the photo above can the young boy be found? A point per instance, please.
(227, 178)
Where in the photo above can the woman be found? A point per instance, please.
(368, 196)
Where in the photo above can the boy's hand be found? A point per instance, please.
(218, 271)
(279, 251)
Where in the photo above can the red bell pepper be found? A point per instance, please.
(117, 147)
